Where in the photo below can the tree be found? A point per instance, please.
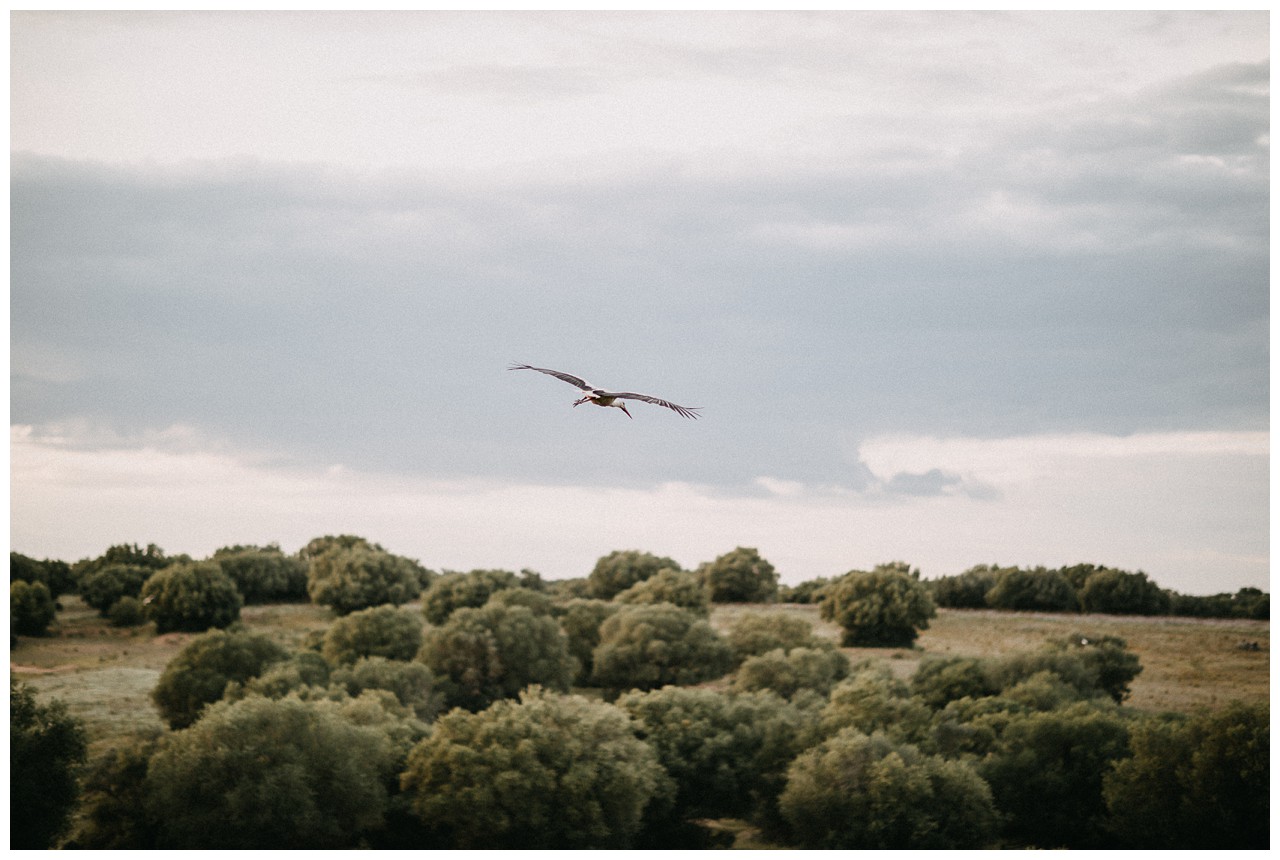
(481, 655)
(809, 591)
(356, 577)
(740, 576)
(788, 672)
(264, 574)
(56, 575)
(546, 772)
(677, 587)
(1120, 593)
(644, 647)
(410, 682)
(46, 748)
(940, 680)
(31, 608)
(1046, 773)
(102, 586)
(1092, 665)
(1037, 590)
(580, 619)
(872, 701)
(878, 609)
(199, 673)
(727, 752)
(191, 596)
(1195, 783)
(859, 791)
(269, 774)
(621, 569)
(967, 590)
(454, 590)
(380, 631)
(754, 633)
(111, 814)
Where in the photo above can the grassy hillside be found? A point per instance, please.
(105, 675)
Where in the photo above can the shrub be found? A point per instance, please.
(269, 774)
(46, 748)
(453, 590)
(56, 575)
(546, 772)
(1197, 783)
(622, 569)
(111, 814)
(380, 631)
(855, 791)
(740, 576)
(350, 578)
(31, 609)
(754, 633)
(727, 752)
(646, 647)
(1120, 593)
(967, 590)
(103, 586)
(127, 612)
(809, 591)
(481, 655)
(1092, 665)
(191, 596)
(410, 682)
(538, 602)
(264, 574)
(871, 700)
(878, 609)
(677, 587)
(581, 619)
(199, 673)
(939, 680)
(1046, 772)
(788, 672)
(1037, 590)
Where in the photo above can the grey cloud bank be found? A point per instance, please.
(823, 229)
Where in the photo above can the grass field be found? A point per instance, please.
(105, 675)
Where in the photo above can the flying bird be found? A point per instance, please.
(600, 397)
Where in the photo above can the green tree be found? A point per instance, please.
(878, 609)
(481, 655)
(199, 673)
(111, 814)
(546, 772)
(788, 672)
(855, 791)
(809, 591)
(1118, 592)
(967, 590)
(102, 586)
(1037, 590)
(939, 680)
(872, 701)
(727, 752)
(644, 647)
(1194, 783)
(454, 590)
(47, 746)
(622, 569)
(1046, 773)
(269, 774)
(580, 619)
(677, 587)
(56, 575)
(191, 596)
(127, 612)
(31, 608)
(1092, 665)
(380, 631)
(740, 576)
(754, 633)
(349, 578)
(264, 574)
(410, 682)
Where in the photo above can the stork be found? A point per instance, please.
(600, 397)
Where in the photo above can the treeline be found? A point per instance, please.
(607, 712)
(1077, 588)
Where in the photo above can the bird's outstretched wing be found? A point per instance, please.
(567, 377)
(686, 411)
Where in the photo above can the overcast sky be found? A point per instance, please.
(950, 288)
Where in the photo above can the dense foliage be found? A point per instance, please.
(347, 578)
(201, 671)
(46, 748)
(31, 608)
(56, 575)
(883, 608)
(645, 647)
(740, 576)
(454, 590)
(191, 596)
(547, 771)
(380, 631)
(677, 587)
(264, 574)
(622, 569)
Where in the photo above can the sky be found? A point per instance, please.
(949, 288)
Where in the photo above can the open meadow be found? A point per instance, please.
(105, 675)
